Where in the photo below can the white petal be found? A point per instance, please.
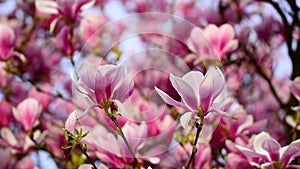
(168, 99)
(185, 119)
(7, 134)
(258, 141)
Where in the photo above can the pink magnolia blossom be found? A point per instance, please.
(213, 42)
(196, 91)
(27, 112)
(67, 8)
(111, 149)
(270, 152)
(7, 41)
(103, 83)
(177, 156)
(237, 128)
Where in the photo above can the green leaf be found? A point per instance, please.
(67, 147)
(85, 134)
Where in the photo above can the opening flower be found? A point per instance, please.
(27, 112)
(213, 42)
(197, 92)
(103, 85)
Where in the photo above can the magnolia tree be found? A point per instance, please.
(150, 84)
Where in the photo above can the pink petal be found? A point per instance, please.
(273, 147)
(185, 119)
(249, 153)
(206, 134)
(105, 68)
(257, 126)
(184, 90)
(27, 112)
(125, 90)
(199, 43)
(211, 86)
(211, 32)
(168, 99)
(226, 33)
(196, 40)
(235, 161)
(8, 136)
(100, 84)
(62, 40)
(194, 78)
(7, 39)
(85, 166)
(258, 143)
(295, 88)
(70, 122)
(121, 83)
(135, 134)
(248, 122)
(230, 46)
(87, 73)
(46, 6)
(291, 152)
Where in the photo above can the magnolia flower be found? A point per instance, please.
(102, 84)
(270, 151)
(111, 149)
(69, 9)
(213, 42)
(196, 92)
(177, 156)
(7, 41)
(237, 128)
(27, 112)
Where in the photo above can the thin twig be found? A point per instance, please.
(120, 131)
(79, 146)
(35, 85)
(265, 77)
(194, 149)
